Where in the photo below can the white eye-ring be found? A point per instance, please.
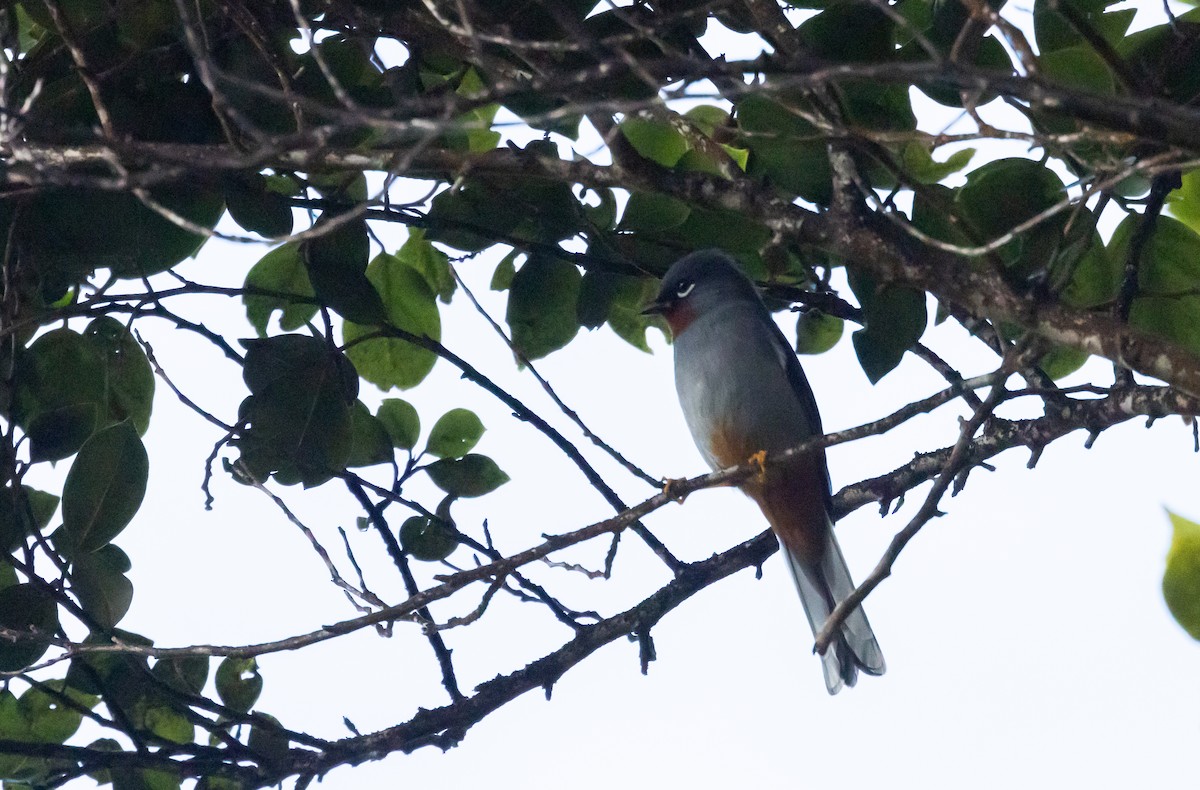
(684, 289)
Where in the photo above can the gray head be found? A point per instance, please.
(697, 283)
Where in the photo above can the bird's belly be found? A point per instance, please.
(732, 417)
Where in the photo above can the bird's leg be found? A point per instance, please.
(759, 459)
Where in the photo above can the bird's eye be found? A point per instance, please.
(684, 289)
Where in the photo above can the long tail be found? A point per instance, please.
(821, 586)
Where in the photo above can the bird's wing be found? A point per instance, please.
(799, 383)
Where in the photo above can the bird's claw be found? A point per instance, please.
(672, 482)
(759, 460)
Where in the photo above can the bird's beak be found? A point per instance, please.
(655, 308)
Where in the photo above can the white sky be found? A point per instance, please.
(1025, 634)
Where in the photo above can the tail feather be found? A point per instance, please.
(821, 586)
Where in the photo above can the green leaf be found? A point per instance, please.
(1004, 193)
(470, 476)
(336, 262)
(1079, 67)
(542, 306)
(105, 486)
(1167, 303)
(656, 140)
(99, 581)
(1184, 202)
(428, 540)
(604, 214)
(650, 212)
(432, 263)
(625, 316)
(817, 331)
(895, 318)
(185, 674)
(281, 270)
(238, 683)
(412, 306)
(919, 163)
(454, 434)
(1062, 361)
(506, 269)
(129, 380)
(168, 724)
(371, 443)
(401, 422)
(1181, 578)
(472, 216)
(707, 118)
(49, 717)
(784, 148)
(26, 608)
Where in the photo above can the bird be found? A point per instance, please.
(744, 396)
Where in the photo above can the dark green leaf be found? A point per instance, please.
(57, 378)
(411, 306)
(597, 293)
(267, 738)
(469, 476)
(55, 434)
(1004, 193)
(299, 413)
(454, 434)
(817, 332)
(185, 674)
(401, 422)
(256, 208)
(26, 608)
(281, 270)
(542, 303)
(105, 486)
(784, 148)
(371, 442)
(128, 377)
(99, 582)
(895, 318)
(428, 540)
(336, 262)
(625, 317)
(238, 683)
(1054, 32)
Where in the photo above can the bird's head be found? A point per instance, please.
(696, 284)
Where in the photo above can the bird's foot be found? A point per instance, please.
(759, 459)
(672, 482)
